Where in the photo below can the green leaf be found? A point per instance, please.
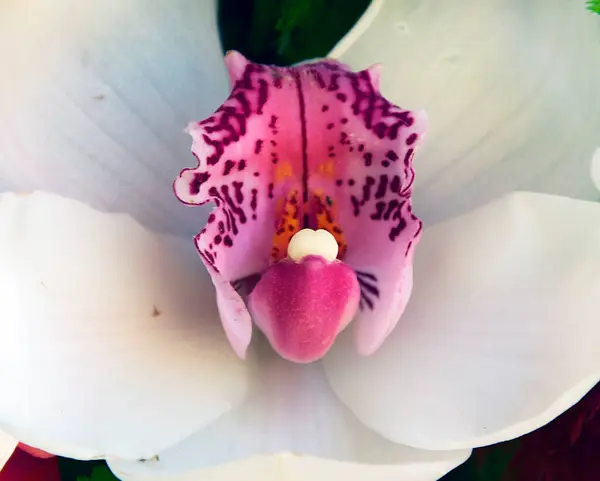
(485, 464)
(594, 6)
(284, 32)
(74, 470)
(99, 473)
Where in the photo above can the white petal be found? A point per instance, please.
(290, 428)
(110, 343)
(501, 333)
(7, 446)
(596, 168)
(512, 89)
(98, 95)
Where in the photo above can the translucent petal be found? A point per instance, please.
(512, 89)
(292, 428)
(94, 98)
(501, 333)
(110, 343)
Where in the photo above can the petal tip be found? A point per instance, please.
(240, 347)
(421, 118)
(375, 74)
(191, 128)
(365, 344)
(235, 63)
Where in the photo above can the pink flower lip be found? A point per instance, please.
(302, 306)
(312, 146)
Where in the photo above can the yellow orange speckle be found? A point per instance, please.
(283, 171)
(288, 225)
(326, 168)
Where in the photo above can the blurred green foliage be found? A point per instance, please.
(285, 32)
(74, 470)
(594, 6)
(486, 464)
(99, 473)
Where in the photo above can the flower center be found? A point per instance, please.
(319, 213)
(309, 242)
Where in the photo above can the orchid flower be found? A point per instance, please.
(380, 349)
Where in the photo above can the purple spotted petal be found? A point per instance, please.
(309, 146)
(369, 143)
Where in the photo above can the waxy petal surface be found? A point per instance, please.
(94, 98)
(513, 88)
(309, 146)
(302, 306)
(110, 344)
(501, 333)
(291, 427)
